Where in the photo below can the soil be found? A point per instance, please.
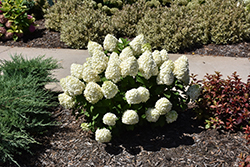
(183, 143)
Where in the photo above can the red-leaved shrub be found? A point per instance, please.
(225, 103)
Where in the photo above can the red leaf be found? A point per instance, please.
(247, 159)
(238, 120)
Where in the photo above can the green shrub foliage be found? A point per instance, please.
(180, 27)
(125, 21)
(85, 25)
(60, 10)
(24, 104)
(225, 103)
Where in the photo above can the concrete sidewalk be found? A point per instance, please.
(198, 64)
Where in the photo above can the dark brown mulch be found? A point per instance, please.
(44, 38)
(182, 143)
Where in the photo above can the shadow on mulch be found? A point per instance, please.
(153, 139)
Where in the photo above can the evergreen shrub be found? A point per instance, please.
(24, 104)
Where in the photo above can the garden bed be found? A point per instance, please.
(182, 143)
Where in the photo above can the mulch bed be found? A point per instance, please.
(182, 143)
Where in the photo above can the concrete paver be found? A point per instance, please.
(198, 64)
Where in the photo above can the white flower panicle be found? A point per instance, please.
(110, 43)
(63, 84)
(147, 65)
(181, 69)
(109, 89)
(109, 119)
(93, 92)
(130, 117)
(73, 86)
(144, 93)
(99, 61)
(90, 75)
(194, 92)
(66, 101)
(168, 63)
(171, 116)
(164, 55)
(114, 58)
(133, 96)
(163, 105)
(92, 46)
(129, 67)
(113, 71)
(157, 57)
(152, 115)
(76, 70)
(103, 135)
(165, 75)
(126, 53)
(136, 44)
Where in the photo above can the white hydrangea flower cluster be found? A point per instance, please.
(157, 57)
(126, 53)
(110, 43)
(147, 65)
(109, 119)
(136, 96)
(129, 67)
(93, 92)
(152, 115)
(72, 86)
(144, 93)
(113, 71)
(90, 75)
(164, 55)
(92, 46)
(181, 69)
(76, 70)
(163, 105)
(66, 101)
(166, 75)
(171, 116)
(103, 135)
(99, 61)
(136, 44)
(130, 117)
(109, 89)
(194, 92)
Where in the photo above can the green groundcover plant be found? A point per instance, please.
(14, 19)
(24, 104)
(124, 84)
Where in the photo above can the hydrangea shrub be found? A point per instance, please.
(14, 19)
(123, 85)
